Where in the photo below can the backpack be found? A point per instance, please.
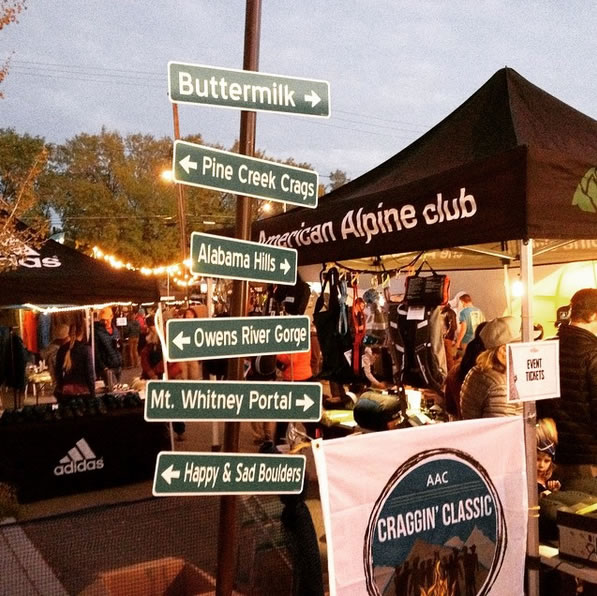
(333, 331)
(429, 290)
(294, 298)
(418, 338)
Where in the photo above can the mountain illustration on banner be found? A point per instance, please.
(585, 196)
(448, 560)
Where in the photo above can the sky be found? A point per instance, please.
(396, 68)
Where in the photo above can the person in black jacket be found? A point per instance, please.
(74, 369)
(575, 412)
(108, 361)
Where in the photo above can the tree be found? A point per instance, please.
(109, 191)
(9, 13)
(22, 164)
(15, 191)
(338, 178)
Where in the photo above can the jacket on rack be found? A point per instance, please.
(575, 412)
(13, 359)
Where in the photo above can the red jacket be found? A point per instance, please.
(300, 369)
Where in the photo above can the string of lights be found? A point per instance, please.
(180, 273)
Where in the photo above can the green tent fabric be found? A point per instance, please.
(512, 162)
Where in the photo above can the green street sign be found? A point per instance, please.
(203, 339)
(205, 167)
(217, 256)
(232, 400)
(247, 90)
(186, 473)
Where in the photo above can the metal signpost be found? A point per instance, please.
(197, 165)
(203, 339)
(232, 400)
(217, 256)
(185, 473)
(247, 90)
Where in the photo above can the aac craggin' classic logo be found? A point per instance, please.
(80, 458)
(437, 528)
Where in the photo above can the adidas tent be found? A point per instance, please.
(56, 274)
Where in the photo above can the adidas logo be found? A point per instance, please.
(25, 256)
(79, 459)
(33, 260)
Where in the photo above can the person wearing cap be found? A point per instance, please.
(484, 393)
(108, 361)
(575, 412)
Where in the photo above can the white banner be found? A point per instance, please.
(533, 370)
(440, 509)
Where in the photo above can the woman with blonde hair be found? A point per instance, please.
(484, 393)
(74, 368)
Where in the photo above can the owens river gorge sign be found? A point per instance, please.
(225, 337)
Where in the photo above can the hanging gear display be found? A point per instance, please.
(427, 290)
(417, 333)
(359, 327)
(390, 343)
(376, 322)
(333, 333)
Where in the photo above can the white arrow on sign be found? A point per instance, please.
(170, 473)
(285, 266)
(313, 98)
(187, 164)
(181, 340)
(306, 402)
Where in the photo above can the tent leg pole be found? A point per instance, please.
(507, 288)
(530, 420)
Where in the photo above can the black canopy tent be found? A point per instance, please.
(56, 274)
(511, 165)
(512, 162)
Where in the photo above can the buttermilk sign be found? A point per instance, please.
(247, 90)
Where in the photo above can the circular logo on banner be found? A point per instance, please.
(436, 529)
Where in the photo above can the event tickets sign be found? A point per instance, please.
(439, 513)
(533, 370)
